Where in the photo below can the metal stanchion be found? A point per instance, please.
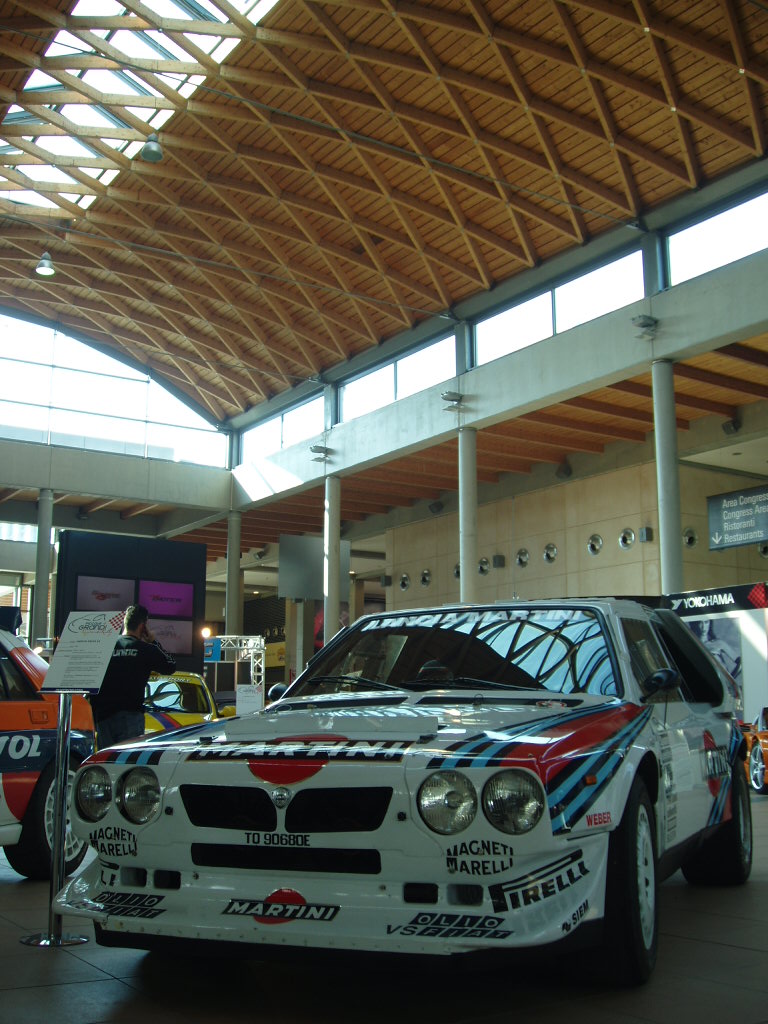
(54, 936)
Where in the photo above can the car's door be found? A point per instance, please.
(709, 732)
(683, 804)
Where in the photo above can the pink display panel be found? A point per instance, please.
(170, 600)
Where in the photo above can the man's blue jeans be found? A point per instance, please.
(123, 725)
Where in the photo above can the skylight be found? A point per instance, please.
(40, 125)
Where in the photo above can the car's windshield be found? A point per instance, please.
(175, 695)
(556, 649)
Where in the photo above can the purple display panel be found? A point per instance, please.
(175, 636)
(103, 594)
(171, 600)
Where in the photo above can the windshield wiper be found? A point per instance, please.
(363, 681)
(456, 682)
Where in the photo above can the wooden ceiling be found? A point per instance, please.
(350, 169)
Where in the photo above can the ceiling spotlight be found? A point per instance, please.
(564, 470)
(647, 325)
(731, 426)
(436, 507)
(45, 267)
(152, 151)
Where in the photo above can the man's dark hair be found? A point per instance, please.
(135, 615)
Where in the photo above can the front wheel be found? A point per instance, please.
(631, 936)
(757, 769)
(31, 856)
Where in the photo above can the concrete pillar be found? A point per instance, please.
(301, 645)
(331, 556)
(467, 514)
(39, 627)
(667, 476)
(233, 608)
(356, 600)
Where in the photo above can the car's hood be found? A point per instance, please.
(444, 729)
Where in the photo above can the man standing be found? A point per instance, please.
(118, 706)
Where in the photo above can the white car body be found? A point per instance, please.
(300, 826)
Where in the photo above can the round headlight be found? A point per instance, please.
(93, 793)
(139, 795)
(447, 802)
(513, 801)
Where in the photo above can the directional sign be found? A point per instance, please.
(738, 518)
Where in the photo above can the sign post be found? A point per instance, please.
(78, 666)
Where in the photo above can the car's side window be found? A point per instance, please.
(13, 684)
(646, 656)
(701, 676)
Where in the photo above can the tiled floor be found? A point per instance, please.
(713, 954)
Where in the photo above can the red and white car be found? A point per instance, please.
(443, 781)
(28, 737)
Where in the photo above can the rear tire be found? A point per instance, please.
(726, 857)
(31, 856)
(631, 935)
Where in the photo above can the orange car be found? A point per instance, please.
(28, 740)
(756, 736)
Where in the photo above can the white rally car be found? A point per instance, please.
(436, 782)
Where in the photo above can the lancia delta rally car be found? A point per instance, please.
(435, 782)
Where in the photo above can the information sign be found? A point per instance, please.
(248, 698)
(738, 518)
(83, 652)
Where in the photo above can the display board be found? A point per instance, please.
(106, 573)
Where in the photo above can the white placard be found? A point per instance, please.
(248, 698)
(83, 652)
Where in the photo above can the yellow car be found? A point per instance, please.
(171, 702)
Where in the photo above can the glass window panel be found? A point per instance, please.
(367, 393)
(264, 439)
(304, 421)
(24, 422)
(45, 172)
(24, 196)
(25, 380)
(184, 445)
(721, 240)
(101, 433)
(74, 389)
(599, 292)
(103, 8)
(18, 337)
(108, 82)
(87, 114)
(428, 366)
(515, 328)
(163, 407)
(64, 145)
(77, 356)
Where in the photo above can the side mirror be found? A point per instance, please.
(663, 680)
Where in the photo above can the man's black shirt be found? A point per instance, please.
(126, 677)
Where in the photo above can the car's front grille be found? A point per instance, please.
(250, 809)
(282, 859)
(337, 810)
(242, 807)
